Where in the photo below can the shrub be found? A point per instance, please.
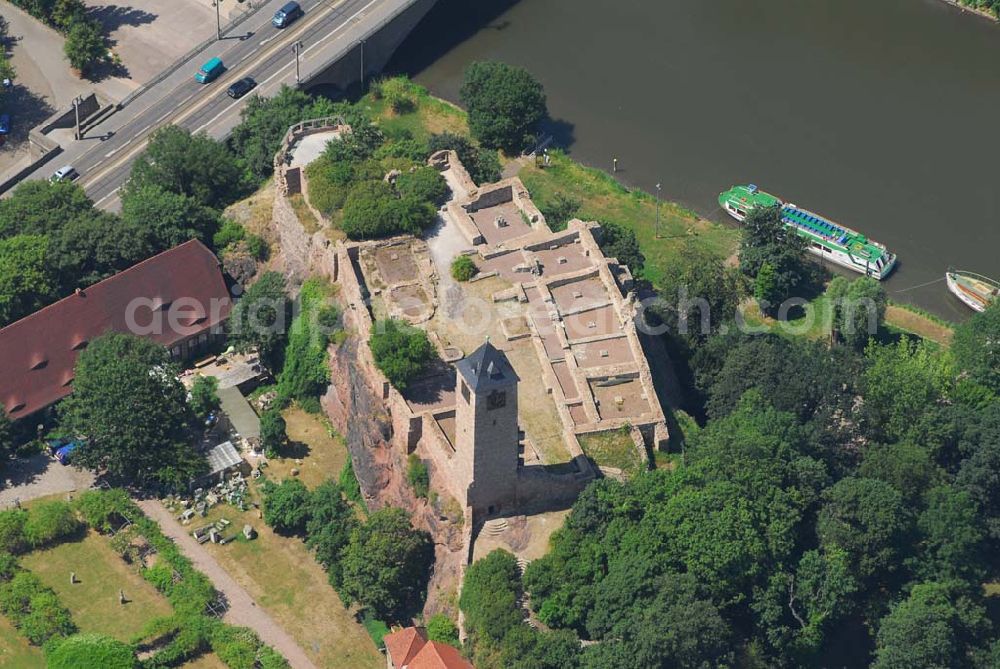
(50, 521)
(272, 431)
(423, 183)
(105, 510)
(348, 483)
(229, 232)
(8, 566)
(34, 609)
(306, 373)
(161, 576)
(441, 628)
(559, 210)
(397, 93)
(463, 268)
(286, 506)
(188, 638)
(240, 648)
(258, 247)
(401, 352)
(204, 396)
(372, 210)
(483, 165)
(417, 476)
(89, 651)
(12, 530)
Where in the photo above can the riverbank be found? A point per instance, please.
(986, 14)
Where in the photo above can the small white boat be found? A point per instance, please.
(975, 290)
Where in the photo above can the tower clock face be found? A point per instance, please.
(497, 399)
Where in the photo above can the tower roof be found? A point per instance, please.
(487, 367)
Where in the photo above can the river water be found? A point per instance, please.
(880, 114)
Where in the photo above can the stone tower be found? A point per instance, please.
(486, 430)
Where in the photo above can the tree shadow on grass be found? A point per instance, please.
(295, 449)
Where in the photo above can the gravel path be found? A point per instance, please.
(242, 609)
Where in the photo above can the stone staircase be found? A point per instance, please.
(495, 527)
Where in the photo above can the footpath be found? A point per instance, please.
(242, 609)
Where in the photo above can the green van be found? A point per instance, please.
(209, 71)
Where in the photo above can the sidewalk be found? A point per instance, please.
(242, 609)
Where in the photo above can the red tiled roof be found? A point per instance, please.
(182, 287)
(436, 655)
(403, 645)
(410, 649)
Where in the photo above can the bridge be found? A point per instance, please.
(337, 42)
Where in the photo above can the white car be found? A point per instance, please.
(65, 173)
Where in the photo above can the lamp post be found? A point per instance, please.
(362, 43)
(297, 48)
(656, 229)
(218, 19)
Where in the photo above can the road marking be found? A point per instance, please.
(281, 69)
(109, 195)
(231, 75)
(269, 39)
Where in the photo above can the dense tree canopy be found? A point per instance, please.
(386, 564)
(329, 527)
(859, 308)
(168, 218)
(261, 318)
(698, 294)
(192, 165)
(132, 410)
(286, 506)
(264, 122)
(775, 255)
(27, 276)
(977, 347)
(505, 104)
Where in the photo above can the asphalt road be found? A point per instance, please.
(104, 158)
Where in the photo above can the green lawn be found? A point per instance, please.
(432, 115)
(613, 448)
(15, 651)
(93, 600)
(602, 198)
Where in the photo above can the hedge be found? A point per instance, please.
(34, 608)
(89, 651)
(51, 522)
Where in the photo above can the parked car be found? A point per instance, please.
(65, 173)
(241, 88)
(4, 124)
(210, 71)
(286, 15)
(64, 455)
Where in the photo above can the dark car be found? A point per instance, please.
(286, 15)
(4, 124)
(241, 87)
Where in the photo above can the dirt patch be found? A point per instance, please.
(313, 448)
(918, 324)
